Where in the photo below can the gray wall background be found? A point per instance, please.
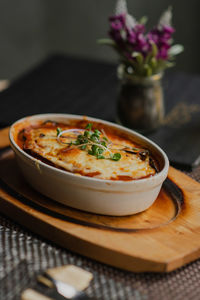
(30, 30)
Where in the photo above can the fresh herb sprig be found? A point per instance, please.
(97, 145)
(93, 143)
(59, 130)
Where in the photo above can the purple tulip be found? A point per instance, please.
(161, 36)
(139, 28)
(134, 39)
(121, 18)
(168, 29)
(117, 22)
(162, 54)
(131, 36)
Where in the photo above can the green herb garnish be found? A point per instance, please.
(59, 130)
(94, 144)
(115, 156)
(89, 126)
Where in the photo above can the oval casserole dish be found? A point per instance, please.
(115, 198)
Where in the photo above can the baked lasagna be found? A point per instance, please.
(86, 149)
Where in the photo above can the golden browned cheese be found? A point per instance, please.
(42, 142)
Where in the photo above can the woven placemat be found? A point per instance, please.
(23, 255)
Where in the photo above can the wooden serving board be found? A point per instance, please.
(161, 239)
(4, 140)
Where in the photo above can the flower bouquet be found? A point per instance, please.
(143, 56)
(141, 53)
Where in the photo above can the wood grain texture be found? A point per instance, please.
(4, 140)
(160, 250)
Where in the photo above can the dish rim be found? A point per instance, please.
(133, 133)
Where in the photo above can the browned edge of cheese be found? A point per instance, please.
(26, 125)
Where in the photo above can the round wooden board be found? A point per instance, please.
(165, 209)
(161, 239)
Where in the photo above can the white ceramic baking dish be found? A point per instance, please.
(116, 198)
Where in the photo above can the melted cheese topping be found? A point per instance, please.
(42, 143)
